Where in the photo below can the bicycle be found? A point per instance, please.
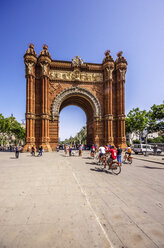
(129, 159)
(102, 160)
(115, 167)
(92, 154)
(33, 153)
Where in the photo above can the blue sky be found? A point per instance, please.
(86, 28)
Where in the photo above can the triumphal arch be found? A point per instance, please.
(51, 85)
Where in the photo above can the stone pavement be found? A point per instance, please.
(58, 202)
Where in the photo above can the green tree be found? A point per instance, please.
(80, 137)
(136, 121)
(9, 128)
(159, 139)
(156, 118)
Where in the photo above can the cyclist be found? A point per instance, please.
(33, 151)
(102, 152)
(93, 149)
(113, 156)
(129, 151)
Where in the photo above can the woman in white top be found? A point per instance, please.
(102, 151)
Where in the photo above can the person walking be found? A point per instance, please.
(17, 152)
(80, 150)
(70, 149)
(119, 152)
(40, 150)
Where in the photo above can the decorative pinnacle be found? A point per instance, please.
(31, 45)
(107, 53)
(45, 47)
(119, 54)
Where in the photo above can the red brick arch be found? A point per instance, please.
(97, 88)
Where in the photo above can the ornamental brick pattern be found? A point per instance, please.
(51, 85)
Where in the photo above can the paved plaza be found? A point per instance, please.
(66, 202)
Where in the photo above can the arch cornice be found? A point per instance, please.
(66, 93)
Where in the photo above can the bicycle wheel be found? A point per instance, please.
(116, 169)
(103, 160)
(130, 161)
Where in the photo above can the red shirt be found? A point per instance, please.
(113, 153)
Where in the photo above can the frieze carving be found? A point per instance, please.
(76, 75)
(74, 91)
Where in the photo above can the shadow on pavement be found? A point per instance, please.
(148, 167)
(101, 170)
(62, 155)
(93, 163)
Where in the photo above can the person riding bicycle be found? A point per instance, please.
(113, 156)
(33, 151)
(102, 152)
(129, 151)
(93, 149)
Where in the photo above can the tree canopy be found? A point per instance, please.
(10, 127)
(139, 121)
(80, 137)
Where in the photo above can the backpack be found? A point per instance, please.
(114, 154)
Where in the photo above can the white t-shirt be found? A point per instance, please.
(102, 149)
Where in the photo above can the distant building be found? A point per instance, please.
(130, 137)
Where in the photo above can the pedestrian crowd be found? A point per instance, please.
(114, 152)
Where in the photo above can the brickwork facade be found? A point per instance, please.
(51, 85)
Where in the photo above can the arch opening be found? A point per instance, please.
(71, 121)
(83, 103)
(87, 102)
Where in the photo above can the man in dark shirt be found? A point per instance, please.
(119, 151)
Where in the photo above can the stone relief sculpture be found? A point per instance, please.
(77, 61)
(44, 67)
(122, 74)
(76, 75)
(109, 73)
(29, 66)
